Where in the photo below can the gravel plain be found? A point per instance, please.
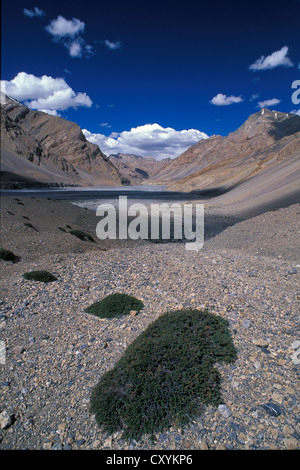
(55, 353)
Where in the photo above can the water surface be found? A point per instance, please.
(92, 197)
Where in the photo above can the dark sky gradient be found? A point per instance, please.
(174, 58)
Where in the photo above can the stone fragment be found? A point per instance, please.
(203, 445)
(291, 443)
(262, 343)
(277, 397)
(295, 357)
(133, 313)
(5, 420)
(224, 411)
(18, 350)
(272, 408)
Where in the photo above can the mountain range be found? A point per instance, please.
(260, 160)
(136, 168)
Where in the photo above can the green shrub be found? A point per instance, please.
(115, 305)
(8, 255)
(166, 376)
(82, 235)
(42, 276)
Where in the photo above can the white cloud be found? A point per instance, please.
(223, 100)
(150, 139)
(35, 12)
(268, 103)
(44, 93)
(68, 32)
(50, 111)
(113, 45)
(75, 49)
(276, 59)
(62, 27)
(295, 111)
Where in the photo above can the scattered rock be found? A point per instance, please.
(133, 313)
(18, 350)
(261, 343)
(203, 445)
(5, 420)
(295, 357)
(246, 324)
(272, 409)
(66, 351)
(224, 411)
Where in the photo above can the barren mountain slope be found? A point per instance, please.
(136, 168)
(39, 147)
(266, 139)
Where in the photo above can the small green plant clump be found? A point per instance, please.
(166, 376)
(82, 235)
(8, 255)
(41, 276)
(115, 305)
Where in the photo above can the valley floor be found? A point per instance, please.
(56, 353)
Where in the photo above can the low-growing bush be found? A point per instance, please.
(166, 376)
(41, 276)
(8, 255)
(115, 305)
(82, 235)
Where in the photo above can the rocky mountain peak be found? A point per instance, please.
(264, 140)
(275, 123)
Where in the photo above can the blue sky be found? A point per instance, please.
(151, 77)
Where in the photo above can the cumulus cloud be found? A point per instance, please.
(34, 12)
(276, 59)
(223, 100)
(268, 103)
(62, 27)
(69, 33)
(78, 48)
(44, 93)
(148, 140)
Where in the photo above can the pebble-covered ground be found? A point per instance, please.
(56, 353)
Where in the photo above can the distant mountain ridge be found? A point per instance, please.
(266, 139)
(136, 168)
(40, 148)
(260, 160)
